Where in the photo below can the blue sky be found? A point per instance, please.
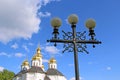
(21, 32)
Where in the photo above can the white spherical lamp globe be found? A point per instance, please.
(90, 23)
(73, 19)
(56, 22)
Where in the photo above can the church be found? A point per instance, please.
(36, 70)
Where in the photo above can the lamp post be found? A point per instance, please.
(74, 41)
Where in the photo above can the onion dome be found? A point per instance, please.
(38, 54)
(35, 58)
(52, 60)
(25, 63)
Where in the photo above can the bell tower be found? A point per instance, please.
(52, 63)
(25, 65)
(37, 58)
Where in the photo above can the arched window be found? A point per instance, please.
(51, 66)
(37, 64)
(33, 63)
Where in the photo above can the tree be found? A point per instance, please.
(6, 75)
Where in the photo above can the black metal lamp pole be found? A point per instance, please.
(75, 52)
(74, 41)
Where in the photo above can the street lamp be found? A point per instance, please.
(74, 41)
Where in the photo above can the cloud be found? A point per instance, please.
(90, 63)
(19, 55)
(73, 78)
(108, 68)
(14, 46)
(12, 55)
(26, 48)
(45, 61)
(71, 65)
(30, 44)
(1, 68)
(46, 14)
(5, 54)
(51, 50)
(18, 19)
(48, 1)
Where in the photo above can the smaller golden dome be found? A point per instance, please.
(38, 49)
(25, 63)
(52, 60)
(38, 53)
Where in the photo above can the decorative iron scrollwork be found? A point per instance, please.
(69, 46)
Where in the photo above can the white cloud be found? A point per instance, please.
(90, 63)
(48, 1)
(51, 50)
(108, 68)
(12, 55)
(19, 55)
(45, 61)
(71, 65)
(1, 68)
(30, 44)
(46, 14)
(19, 18)
(73, 78)
(14, 46)
(26, 48)
(5, 54)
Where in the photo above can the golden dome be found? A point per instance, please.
(35, 58)
(38, 54)
(25, 63)
(52, 60)
(38, 49)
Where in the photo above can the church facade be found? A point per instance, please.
(36, 70)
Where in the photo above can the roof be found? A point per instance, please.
(31, 70)
(35, 69)
(20, 73)
(54, 72)
(46, 78)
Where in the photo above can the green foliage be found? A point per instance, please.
(6, 75)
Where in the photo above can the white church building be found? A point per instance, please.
(36, 70)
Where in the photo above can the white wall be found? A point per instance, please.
(53, 77)
(35, 76)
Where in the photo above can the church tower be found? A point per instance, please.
(52, 64)
(36, 70)
(25, 65)
(37, 59)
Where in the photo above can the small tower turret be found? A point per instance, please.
(52, 63)
(37, 58)
(25, 65)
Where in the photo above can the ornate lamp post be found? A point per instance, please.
(74, 41)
